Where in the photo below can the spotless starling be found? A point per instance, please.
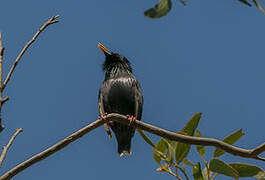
(120, 93)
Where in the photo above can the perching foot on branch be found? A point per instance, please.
(106, 125)
(131, 118)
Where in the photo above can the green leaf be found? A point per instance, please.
(231, 139)
(200, 149)
(245, 2)
(161, 9)
(192, 124)
(182, 150)
(159, 150)
(188, 162)
(196, 171)
(258, 6)
(145, 137)
(171, 146)
(221, 167)
(247, 170)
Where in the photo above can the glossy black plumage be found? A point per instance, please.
(120, 93)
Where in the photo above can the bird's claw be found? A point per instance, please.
(103, 117)
(106, 125)
(132, 119)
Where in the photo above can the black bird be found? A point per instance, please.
(120, 93)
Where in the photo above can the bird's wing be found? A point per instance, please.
(102, 113)
(138, 101)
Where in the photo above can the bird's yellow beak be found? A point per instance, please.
(103, 49)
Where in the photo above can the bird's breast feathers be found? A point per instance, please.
(119, 95)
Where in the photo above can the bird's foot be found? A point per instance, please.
(132, 119)
(106, 125)
(103, 117)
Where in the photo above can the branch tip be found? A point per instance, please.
(52, 20)
(5, 148)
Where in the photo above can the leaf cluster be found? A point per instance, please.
(171, 157)
(163, 7)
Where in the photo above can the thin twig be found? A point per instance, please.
(2, 101)
(182, 170)
(169, 171)
(207, 167)
(52, 20)
(141, 125)
(1, 79)
(1, 60)
(214, 176)
(5, 148)
(258, 150)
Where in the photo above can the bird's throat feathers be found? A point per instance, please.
(116, 67)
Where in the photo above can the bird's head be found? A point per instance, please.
(114, 61)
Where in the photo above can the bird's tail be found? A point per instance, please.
(124, 136)
(124, 146)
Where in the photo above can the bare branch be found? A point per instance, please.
(2, 101)
(252, 153)
(1, 78)
(182, 170)
(52, 20)
(1, 60)
(5, 148)
(260, 149)
(58, 146)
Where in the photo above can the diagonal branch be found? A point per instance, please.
(252, 153)
(5, 148)
(52, 20)
(58, 146)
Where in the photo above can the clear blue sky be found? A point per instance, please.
(206, 57)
